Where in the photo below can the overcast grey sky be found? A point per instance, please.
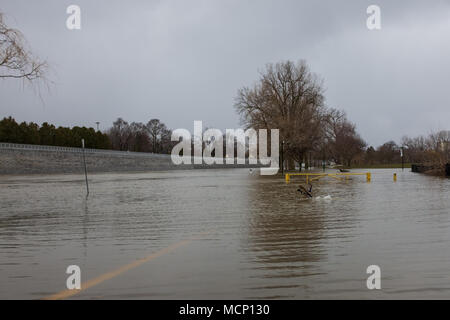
(184, 60)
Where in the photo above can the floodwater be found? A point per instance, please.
(249, 236)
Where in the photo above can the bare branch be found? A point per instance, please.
(16, 62)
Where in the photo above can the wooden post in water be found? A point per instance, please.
(85, 169)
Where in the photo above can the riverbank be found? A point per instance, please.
(380, 166)
(430, 169)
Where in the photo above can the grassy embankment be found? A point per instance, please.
(380, 166)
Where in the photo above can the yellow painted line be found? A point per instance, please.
(112, 274)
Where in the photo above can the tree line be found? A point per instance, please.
(151, 137)
(289, 97)
(48, 134)
(433, 149)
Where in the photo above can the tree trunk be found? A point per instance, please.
(300, 161)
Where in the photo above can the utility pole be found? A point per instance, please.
(85, 169)
(402, 155)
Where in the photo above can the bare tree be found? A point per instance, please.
(438, 144)
(15, 60)
(140, 141)
(415, 149)
(166, 141)
(155, 129)
(389, 152)
(139, 137)
(288, 97)
(433, 150)
(120, 135)
(343, 140)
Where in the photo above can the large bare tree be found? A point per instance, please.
(288, 97)
(16, 61)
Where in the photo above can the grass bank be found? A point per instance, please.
(380, 166)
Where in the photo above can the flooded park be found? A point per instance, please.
(224, 234)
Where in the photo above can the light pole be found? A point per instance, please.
(282, 158)
(97, 123)
(402, 154)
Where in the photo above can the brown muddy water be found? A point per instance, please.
(262, 240)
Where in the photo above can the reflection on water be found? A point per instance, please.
(284, 237)
(264, 240)
(287, 234)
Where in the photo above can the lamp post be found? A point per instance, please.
(282, 158)
(402, 153)
(97, 123)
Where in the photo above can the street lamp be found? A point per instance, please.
(402, 154)
(97, 123)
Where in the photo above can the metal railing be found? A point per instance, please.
(317, 176)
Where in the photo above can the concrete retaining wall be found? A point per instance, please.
(32, 159)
